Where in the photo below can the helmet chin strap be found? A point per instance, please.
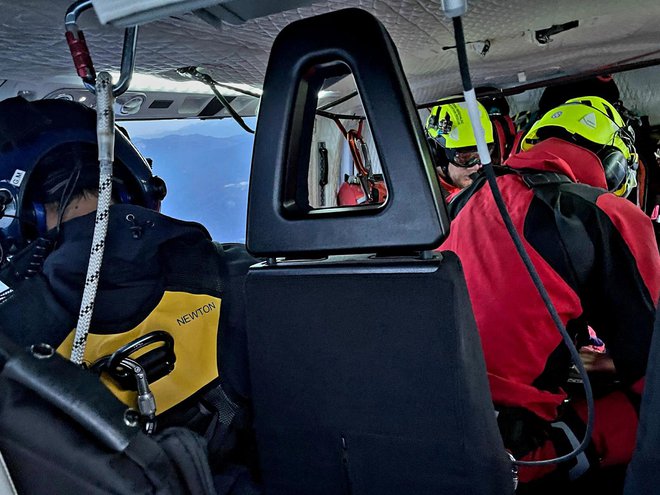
(474, 175)
(445, 174)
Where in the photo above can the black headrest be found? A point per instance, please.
(280, 219)
(603, 86)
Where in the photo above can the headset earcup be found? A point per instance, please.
(158, 188)
(615, 165)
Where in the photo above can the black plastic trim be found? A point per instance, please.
(280, 219)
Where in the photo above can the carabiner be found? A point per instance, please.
(82, 58)
(360, 155)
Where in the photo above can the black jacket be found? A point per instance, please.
(158, 273)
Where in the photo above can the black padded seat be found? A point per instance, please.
(642, 476)
(367, 375)
(368, 378)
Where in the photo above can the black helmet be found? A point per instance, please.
(36, 140)
(603, 86)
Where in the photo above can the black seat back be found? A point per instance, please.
(366, 371)
(642, 476)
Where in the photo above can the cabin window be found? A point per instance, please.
(344, 168)
(206, 165)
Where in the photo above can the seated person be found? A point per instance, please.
(453, 145)
(596, 255)
(158, 273)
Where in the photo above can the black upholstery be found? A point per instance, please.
(280, 221)
(62, 431)
(366, 372)
(642, 476)
(369, 375)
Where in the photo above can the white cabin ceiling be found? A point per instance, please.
(610, 33)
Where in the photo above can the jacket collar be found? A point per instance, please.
(131, 250)
(556, 155)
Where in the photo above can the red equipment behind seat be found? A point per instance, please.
(505, 134)
(517, 139)
(350, 194)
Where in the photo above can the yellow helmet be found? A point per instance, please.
(449, 125)
(592, 122)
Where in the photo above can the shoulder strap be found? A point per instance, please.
(479, 180)
(75, 392)
(535, 179)
(547, 186)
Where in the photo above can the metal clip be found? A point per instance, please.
(514, 471)
(82, 58)
(146, 401)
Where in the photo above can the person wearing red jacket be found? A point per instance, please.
(597, 257)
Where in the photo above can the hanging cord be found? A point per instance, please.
(336, 102)
(194, 73)
(105, 130)
(484, 155)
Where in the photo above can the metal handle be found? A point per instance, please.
(82, 58)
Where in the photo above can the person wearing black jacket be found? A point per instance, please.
(169, 298)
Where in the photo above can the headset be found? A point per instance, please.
(31, 130)
(617, 167)
(620, 170)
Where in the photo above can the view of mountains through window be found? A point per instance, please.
(206, 165)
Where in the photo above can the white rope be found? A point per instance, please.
(105, 129)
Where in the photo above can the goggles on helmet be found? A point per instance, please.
(465, 157)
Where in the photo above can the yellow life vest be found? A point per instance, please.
(192, 320)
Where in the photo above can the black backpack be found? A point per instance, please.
(62, 431)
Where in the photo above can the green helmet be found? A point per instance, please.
(592, 122)
(449, 125)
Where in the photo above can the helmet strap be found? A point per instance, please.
(445, 173)
(440, 160)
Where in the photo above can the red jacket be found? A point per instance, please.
(450, 189)
(595, 253)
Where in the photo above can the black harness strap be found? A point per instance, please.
(575, 240)
(535, 179)
(478, 180)
(547, 187)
